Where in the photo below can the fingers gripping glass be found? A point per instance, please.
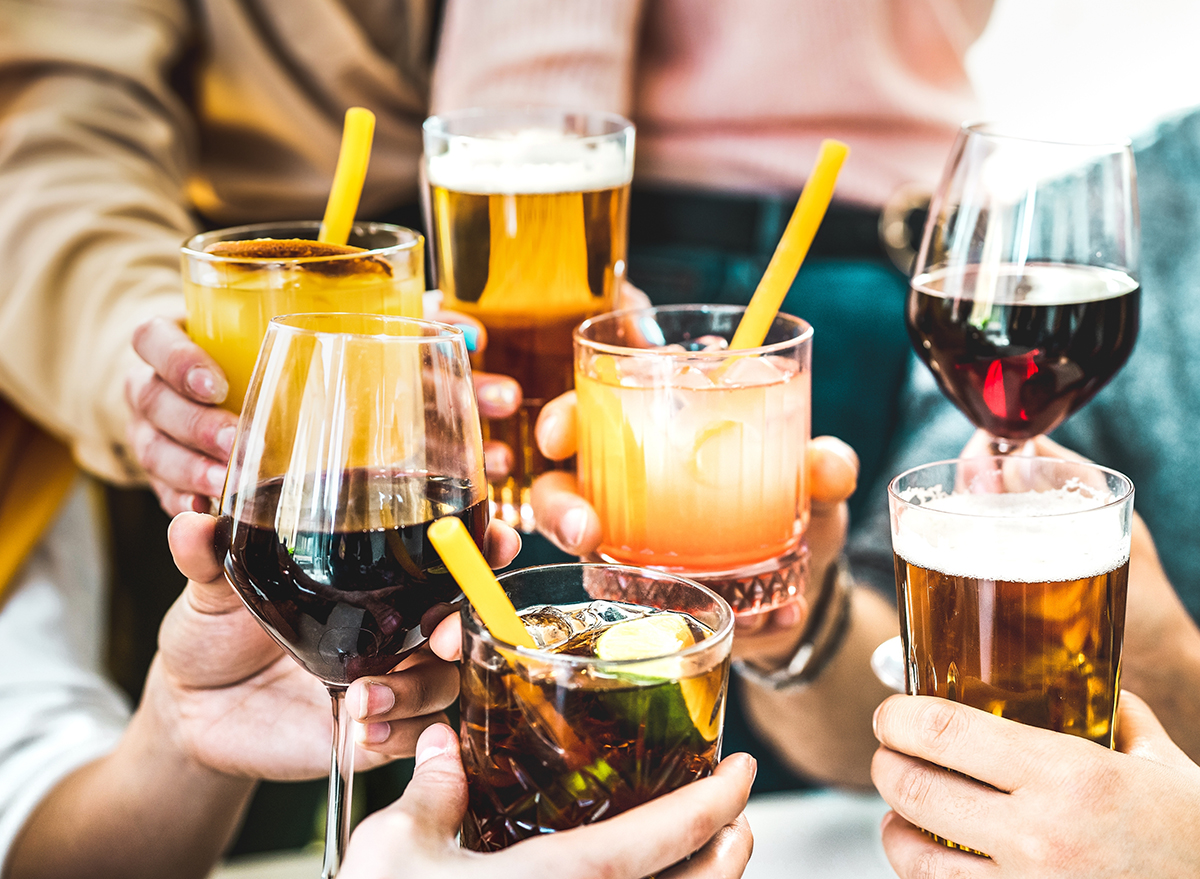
(358, 432)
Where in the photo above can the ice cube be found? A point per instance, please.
(583, 618)
(549, 626)
(612, 612)
(638, 372)
(691, 377)
(748, 372)
(711, 343)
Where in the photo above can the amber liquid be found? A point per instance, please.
(1044, 654)
(530, 268)
(541, 756)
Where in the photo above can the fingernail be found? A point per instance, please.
(499, 395)
(373, 733)
(204, 386)
(875, 720)
(470, 336)
(572, 527)
(548, 425)
(374, 699)
(225, 438)
(215, 477)
(438, 739)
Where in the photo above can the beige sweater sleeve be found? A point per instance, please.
(566, 53)
(94, 149)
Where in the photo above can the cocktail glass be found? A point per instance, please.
(235, 280)
(692, 455)
(572, 733)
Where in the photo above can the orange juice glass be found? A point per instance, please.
(235, 280)
(693, 455)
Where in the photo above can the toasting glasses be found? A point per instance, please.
(358, 431)
(1024, 299)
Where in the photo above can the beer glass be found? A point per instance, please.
(623, 701)
(358, 432)
(693, 455)
(1011, 575)
(235, 280)
(1024, 298)
(529, 219)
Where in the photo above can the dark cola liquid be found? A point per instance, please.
(542, 755)
(353, 600)
(1022, 348)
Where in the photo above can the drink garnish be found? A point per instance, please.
(793, 246)
(309, 255)
(647, 637)
(351, 171)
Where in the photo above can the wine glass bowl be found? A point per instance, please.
(358, 432)
(1024, 299)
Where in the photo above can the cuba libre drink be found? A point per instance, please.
(529, 223)
(1018, 349)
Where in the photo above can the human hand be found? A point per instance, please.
(416, 836)
(219, 680)
(1041, 804)
(182, 438)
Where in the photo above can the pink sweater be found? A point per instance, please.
(733, 94)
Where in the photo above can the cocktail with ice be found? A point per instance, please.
(694, 455)
(623, 701)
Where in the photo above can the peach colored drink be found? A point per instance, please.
(694, 459)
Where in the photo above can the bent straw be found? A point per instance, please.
(793, 247)
(467, 565)
(355, 153)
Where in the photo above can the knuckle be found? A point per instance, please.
(941, 726)
(147, 394)
(914, 786)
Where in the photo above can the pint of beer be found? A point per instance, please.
(1011, 575)
(529, 216)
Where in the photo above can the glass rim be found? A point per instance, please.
(193, 247)
(435, 125)
(290, 323)
(1120, 498)
(471, 622)
(804, 327)
(1012, 132)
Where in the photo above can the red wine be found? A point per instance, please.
(1020, 348)
(356, 598)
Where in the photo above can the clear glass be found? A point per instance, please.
(1024, 298)
(269, 269)
(551, 741)
(358, 432)
(694, 459)
(529, 216)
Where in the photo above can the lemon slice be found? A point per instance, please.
(659, 634)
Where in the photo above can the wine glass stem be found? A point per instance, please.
(341, 782)
(998, 445)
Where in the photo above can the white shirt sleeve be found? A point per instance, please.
(57, 711)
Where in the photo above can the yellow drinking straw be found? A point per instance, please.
(348, 179)
(467, 565)
(793, 246)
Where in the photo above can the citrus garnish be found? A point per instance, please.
(645, 638)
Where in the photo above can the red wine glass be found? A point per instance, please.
(1024, 298)
(358, 431)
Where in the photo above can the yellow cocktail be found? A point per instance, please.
(694, 456)
(236, 280)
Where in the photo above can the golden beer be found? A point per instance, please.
(1011, 578)
(529, 218)
(236, 280)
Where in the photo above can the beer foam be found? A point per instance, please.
(533, 161)
(1023, 537)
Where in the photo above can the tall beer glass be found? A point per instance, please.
(529, 217)
(1011, 576)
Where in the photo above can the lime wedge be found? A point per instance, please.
(645, 638)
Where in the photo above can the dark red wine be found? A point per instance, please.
(353, 599)
(1020, 348)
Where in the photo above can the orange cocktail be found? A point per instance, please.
(693, 455)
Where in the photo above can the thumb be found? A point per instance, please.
(1139, 734)
(436, 798)
(193, 540)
